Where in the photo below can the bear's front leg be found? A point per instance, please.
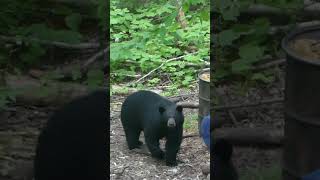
(173, 143)
(153, 146)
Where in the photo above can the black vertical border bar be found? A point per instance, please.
(212, 61)
(106, 68)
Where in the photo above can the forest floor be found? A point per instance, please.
(254, 159)
(20, 126)
(126, 164)
(19, 130)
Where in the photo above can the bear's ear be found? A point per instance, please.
(179, 108)
(162, 109)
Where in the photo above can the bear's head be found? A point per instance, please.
(172, 115)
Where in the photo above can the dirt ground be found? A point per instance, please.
(20, 125)
(268, 115)
(19, 129)
(126, 164)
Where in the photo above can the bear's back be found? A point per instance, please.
(142, 102)
(73, 136)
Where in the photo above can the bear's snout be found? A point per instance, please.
(171, 122)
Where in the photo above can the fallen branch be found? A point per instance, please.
(119, 174)
(188, 105)
(84, 3)
(206, 64)
(180, 97)
(127, 75)
(93, 58)
(24, 134)
(190, 135)
(250, 136)
(276, 29)
(269, 64)
(169, 60)
(50, 43)
(233, 118)
(234, 106)
(261, 9)
(33, 92)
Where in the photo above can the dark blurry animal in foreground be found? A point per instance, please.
(221, 151)
(73, 145)
(222, 166)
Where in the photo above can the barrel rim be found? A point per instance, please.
(291, 36)
(203, 71)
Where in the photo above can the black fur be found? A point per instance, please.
(222, 166)
(149, 112)
(73, 144)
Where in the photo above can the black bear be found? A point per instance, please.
(222, 166)
(73, 145)
(157, 117)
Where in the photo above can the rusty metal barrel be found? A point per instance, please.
(301, 153)
(204, 95)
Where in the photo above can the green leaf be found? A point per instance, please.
(262, 26)
(76, 73)
(262, 77)
(251, 53)
(154, 81)
(226, 37)
(229, 9)
(32, 53)
(73, 21)
(239, 66)
(187, 80)
(42, 32)
(243, 29)
(95, 78)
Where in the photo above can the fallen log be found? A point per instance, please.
(188, 105)
(265, 10)
(64, 45)
(246, 105)
(269, 64)
(251, 136)
(34, 92)
(276, 29)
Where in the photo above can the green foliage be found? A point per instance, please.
(102, 13)
(191, 122)
(43, 32)
(95, 79)
(73, 21)
(239, 45)
(22, 19)
(14, 12)
(6, 96)
(142, 38)
(122, 90)
(32, 53)
(32, 20)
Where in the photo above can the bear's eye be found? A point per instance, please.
(162, 109)
(179, 108)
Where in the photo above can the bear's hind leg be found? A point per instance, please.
(133, 139)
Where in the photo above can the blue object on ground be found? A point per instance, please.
(205, 130)
(315, 175)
